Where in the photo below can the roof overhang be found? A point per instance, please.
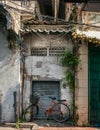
(92, 7)
(47, 28)
(75, 1)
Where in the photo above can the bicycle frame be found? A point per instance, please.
(57, 109)
(47, 110)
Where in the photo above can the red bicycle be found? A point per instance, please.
(58, 109)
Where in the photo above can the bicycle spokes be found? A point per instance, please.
(60, 112)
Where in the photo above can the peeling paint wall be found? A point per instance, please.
(93, 19)
(9, 79)
(15, 11)
(45, 68)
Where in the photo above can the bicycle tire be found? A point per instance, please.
(31, 113)
(60, 112)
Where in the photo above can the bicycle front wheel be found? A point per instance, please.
(60, 112)
(30, 113)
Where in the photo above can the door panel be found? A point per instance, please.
(94, 86)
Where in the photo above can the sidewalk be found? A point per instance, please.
(68, 128)
(53, 125)
(51, 128)
(43, 125)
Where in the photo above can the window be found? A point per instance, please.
(52, 51)
(56, 51)
(39, 51)
(46, 7)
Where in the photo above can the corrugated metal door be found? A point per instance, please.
(46, 89)
(94, 86)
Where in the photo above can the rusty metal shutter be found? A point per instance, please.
(46, 89)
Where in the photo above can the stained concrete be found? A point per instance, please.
(9, 78)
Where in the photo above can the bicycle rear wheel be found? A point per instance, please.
(60, 112)
(31, 112)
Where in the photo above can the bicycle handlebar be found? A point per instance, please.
(53, 98)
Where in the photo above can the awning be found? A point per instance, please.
(47, 28)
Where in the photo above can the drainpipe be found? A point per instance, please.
(15, 105)
(22, 66)
(22, 81)
(0, 105)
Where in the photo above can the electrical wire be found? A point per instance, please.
(62, 20)
(70, 22)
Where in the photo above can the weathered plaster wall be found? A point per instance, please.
(15, 20)
(45, 68)
(9, 79)
(90, 18)
(81, 90)
(17, 10)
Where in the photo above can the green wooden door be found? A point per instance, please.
(94, 86)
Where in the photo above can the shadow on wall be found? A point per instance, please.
(4, 50)
(9, 71)
(9, 79)
(9, 108)
(8, 37)
(9, 66)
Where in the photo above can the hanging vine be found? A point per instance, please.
(70, 60)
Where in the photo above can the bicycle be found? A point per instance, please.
(58, 109)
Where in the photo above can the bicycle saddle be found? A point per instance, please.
(53, 98)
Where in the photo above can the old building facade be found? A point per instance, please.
(41, 36)
(35, 59)
(87, 77)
